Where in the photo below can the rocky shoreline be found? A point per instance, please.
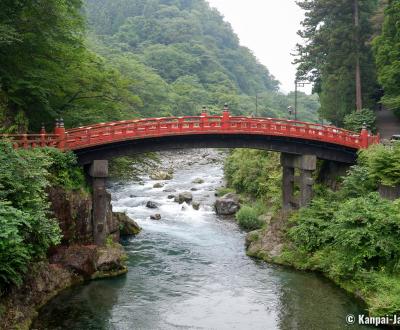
(75, 261)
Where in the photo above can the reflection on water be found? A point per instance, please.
(190, 271)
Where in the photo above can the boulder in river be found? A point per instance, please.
(151, 205)
(171, 196)
(194, 189)
(158, 185)
(161, 175)
(156, 216)
(198, 181)
(196, 206)
(184, 197)
(227, 204)
(127, 226)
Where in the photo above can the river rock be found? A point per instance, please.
(227, 204)
(198, 181)
(151, 205)
(156, 216)
(127, 226)
(169, 190)
(194, 189)
(109, 259)
(184, 197)
(161, 175)
(171, 196)
(158, 185)
(196, 206)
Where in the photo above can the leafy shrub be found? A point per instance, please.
(358, 182)
(383, 163)
(13, 223)
(343, 237)
(355, 120)
(247, 218)
(64, 170)
(312, 224)
(26, 230)
(256, 173)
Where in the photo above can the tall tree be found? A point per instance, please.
(336, 55)
(387, 52)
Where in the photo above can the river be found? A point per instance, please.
(190, 270)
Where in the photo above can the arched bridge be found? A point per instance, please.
(107, 140)
(300, 144)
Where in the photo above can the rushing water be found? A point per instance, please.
(190, 270)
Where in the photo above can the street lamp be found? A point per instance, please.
(290, 110)
(296, 85)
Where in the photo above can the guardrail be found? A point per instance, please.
(103, 133)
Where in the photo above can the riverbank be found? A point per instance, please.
(347, 234)
(272, 245)
(75, 261)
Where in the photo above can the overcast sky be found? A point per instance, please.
(268, 28)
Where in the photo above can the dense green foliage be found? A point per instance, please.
(257, 176)
(248, 218)
(329, 56)
(352, 235)
(255, 173)
(47, 71)
(181, 55)
(27, 229)
(138, 59)
(387, 53)
(355, 121)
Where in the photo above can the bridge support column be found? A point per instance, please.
(306, 164)
(287, 187)
(99, 172)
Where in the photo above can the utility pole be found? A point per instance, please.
(295, 99)
(256, 104)
(357, 44)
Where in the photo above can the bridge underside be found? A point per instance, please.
(321, 150)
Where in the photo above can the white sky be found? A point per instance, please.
(268, 28)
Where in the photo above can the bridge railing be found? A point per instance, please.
(103, 133)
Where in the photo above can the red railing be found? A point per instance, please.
(104, 133)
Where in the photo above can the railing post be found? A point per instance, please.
(225, 117)
(25, 141)
(364, 137)
(43, 136)
(59, 130)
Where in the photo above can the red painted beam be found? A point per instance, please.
(104, 133)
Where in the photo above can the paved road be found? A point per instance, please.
(387, 123)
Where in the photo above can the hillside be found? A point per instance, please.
(112, 60)
(187, 56)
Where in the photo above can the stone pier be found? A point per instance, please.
(306, 164)
(99, 172)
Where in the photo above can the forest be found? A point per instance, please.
(99, 60)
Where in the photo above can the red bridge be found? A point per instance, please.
(106, 140)
(300, 144)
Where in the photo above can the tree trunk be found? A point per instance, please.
(358, 70)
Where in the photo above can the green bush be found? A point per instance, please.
(64, 170)
(383, 163)
(343, 237)
(247, 218)
(255, 173)
(26, 230)
(356, 120)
